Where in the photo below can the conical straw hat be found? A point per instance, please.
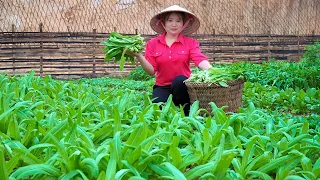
(192, 27)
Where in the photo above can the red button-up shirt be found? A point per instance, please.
(169, 62)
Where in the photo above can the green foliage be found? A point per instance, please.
(107, 128)
(138, 74)
(303, 74)
(312, 55)
(282, 74)
(296, 101)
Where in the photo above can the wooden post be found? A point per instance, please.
(68, 46)
(269, 39)
(282, 45)
(41, 47)
(214, 46)
(137, 62)
(233, 58)
(93, 54)
(13, 51)
(298, 46)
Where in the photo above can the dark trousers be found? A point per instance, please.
(178, 90)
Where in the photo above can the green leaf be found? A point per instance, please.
(175, 155)
(136, 178)
(120, 174)
(102, 176)
(294, 177)
(223, 84)
(112, 164)
(91, 166)
(72, 174)
(3, 169)
(224, 164)
(133, 169)
(122, 60)
(316, 168)
(42, 145)
(276, 163)
(248, 153)
(117, 148)
(219, 115)
(199, 170)
(13, 162)
(160, 170)
(138, 135)
(298, 139)
(36, 169)
(174, 171)
(206, 140)
(306, 163)
(194, 109)
(134, 155)
(262, 175)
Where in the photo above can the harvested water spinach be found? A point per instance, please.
(116, 46)
(216, 75)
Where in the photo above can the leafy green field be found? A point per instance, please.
(107, 128)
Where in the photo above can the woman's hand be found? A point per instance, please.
(132, 53)
(204, 65)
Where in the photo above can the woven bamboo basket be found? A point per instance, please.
(230, 96)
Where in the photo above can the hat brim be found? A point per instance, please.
(192, 26)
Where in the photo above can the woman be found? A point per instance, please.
(168, 55)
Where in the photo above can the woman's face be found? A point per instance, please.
(174, 23)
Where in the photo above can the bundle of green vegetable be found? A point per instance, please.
(216, 75)
(117, 45)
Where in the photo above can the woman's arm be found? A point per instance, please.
(204, 65)
(147, 67)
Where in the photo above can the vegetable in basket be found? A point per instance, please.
(216, 75)
(117, 45)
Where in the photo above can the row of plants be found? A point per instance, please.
(118, 83)
(272, 98)
(75, 130)
(282, 74)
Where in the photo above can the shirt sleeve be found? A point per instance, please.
(149, 55)
(195, 53)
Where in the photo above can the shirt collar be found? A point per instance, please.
(163, 40)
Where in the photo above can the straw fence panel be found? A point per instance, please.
(295, 17)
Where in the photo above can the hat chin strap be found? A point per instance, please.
(183, 27)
